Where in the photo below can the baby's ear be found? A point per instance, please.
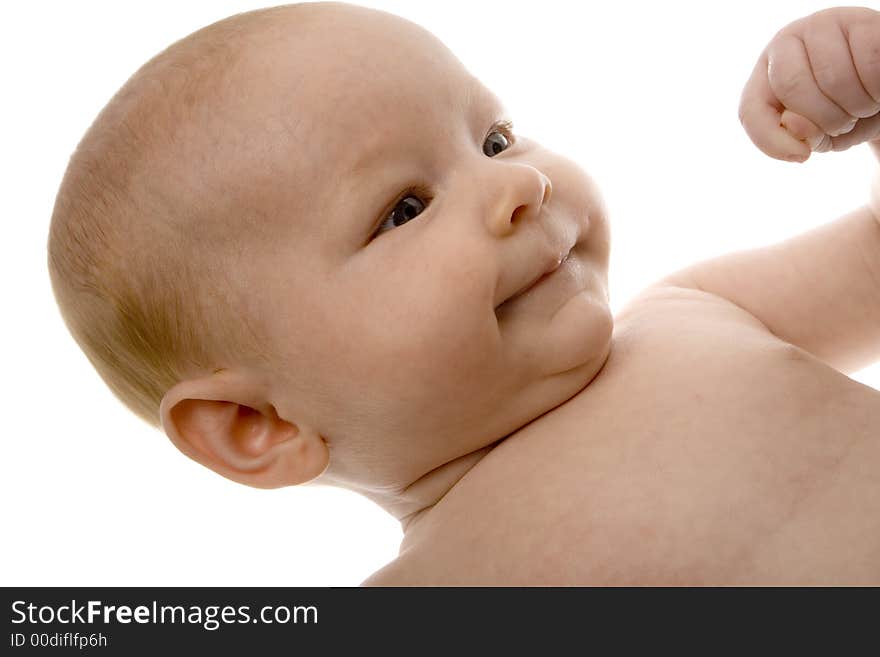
(216, 422)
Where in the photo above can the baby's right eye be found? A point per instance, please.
(408, 206)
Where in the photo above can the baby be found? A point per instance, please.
(308, 244)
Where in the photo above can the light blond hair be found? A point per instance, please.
(148, 248)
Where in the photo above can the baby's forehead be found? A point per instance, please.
(346, 89)
(361, 66)
(314, 100)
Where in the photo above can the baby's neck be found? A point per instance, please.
(412, 504)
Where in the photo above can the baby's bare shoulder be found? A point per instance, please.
(668, 301)
(665, 323)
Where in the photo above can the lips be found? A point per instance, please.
(555, 264)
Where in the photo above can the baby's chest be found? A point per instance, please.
(730, 461)
(722, 394)
(710, 454)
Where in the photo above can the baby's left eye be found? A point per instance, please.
(499, 139)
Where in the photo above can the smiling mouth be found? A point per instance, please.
(540, 278)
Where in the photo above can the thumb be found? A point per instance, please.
(806, 131)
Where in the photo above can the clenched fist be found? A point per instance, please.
(816, 86)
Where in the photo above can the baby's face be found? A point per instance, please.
(410, 219)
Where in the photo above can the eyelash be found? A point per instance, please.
(504, 127)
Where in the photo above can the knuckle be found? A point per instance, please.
(843, 127)
(825, 144)
(866, 110)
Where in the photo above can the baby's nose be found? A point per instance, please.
(524, 192)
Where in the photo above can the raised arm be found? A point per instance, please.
(815, 88)
(819, 290)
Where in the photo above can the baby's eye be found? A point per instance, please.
(408, 207)
(504, 137)
(411, 205)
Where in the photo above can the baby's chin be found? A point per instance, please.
(578, 338)
(563, 328)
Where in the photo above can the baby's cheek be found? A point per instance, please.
(452, 334)
(446, 342)
(424, 328)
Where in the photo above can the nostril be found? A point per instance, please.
(516, 213)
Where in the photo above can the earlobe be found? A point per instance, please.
(240, 437)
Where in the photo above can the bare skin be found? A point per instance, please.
(710, 454)
(526, 438)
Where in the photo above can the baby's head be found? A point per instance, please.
(293, 239)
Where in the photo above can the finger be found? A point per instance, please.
(864, 44)
(805, 130)
(835, 73)
(791, 79)
(760, 112)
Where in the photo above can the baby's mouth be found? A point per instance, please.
(539, 279)
(543, 276)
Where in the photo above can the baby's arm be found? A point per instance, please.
(816, 87)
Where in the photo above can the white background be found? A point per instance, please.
(643, 95)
